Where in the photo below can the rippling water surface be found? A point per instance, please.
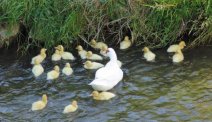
(157, 91)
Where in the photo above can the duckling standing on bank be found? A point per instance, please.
(148, 54)
(67, 70)
(71, 108)
(97, 45)
(37, 69)
(126, 43)
(39, 105)
(92, 56)
(92, 65)
(82, 53)
(56, 56)
(175, 47)
(54, 73)
(178, 56)
(39, 57)
(65, 55)
(102, 96)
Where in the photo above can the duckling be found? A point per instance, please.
(71, 108)
(92, 65)
(67, 70)
(39, 105)
(97, 45)
(103, 51)
(56, 56)
(148, 54)
(175, 47)
(178, 56)
(81, 52)
(65, 55)
(119, 63)
(102, 96)
(126, 43)
(37, 69)
(39, 57)
(92, 56)
(54, 73)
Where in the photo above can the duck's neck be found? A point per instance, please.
(113, 58)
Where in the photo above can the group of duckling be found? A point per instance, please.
(67, 70)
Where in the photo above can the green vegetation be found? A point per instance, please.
(156, 23)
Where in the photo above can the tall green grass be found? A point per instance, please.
(156, 23)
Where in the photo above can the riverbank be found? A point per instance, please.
(152, 23)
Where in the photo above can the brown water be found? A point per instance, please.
(158, 91)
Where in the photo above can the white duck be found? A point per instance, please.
(126, 43)
(65, 55)
(71, 108)
(178, 56)
(148, 54)
(56, 56)
(92, 65)
(92, 56)
(110, 75)
(67, 70)
(97, 45)
(37, 69)
(82, 53)
(39, 57)
(102, 96)
(54, 73)
(175, 47)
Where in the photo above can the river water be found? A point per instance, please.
(155, 92)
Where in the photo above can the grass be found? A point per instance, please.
(156, 23)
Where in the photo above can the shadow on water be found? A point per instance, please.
(153, 91)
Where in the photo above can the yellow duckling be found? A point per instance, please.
(39, 57)
(37, 69)
(71, 108)
(178, 56)
(39, 105)
(65, 55)
(103, 50)
(92, 65)
(67, 70)
(54, 73)
(102, 96)
(56, 56)
(82, 53)
(92, 56)
(148, 54)
(175, 47)
(97, 45)
(126, 43)
(119, 63)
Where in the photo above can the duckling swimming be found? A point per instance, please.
(39, 105)
(39, 57)
(65, 55)
(37, 69)
(103, 51)
(102, 96)
(175, 47)
(82, 53)
(126, 43)
(92, 65)
(178, 56)
(67, 70)
(56, 56)
(97, 45)
(148, 54)
(71, 108)
(54, 73)
(92, 56)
